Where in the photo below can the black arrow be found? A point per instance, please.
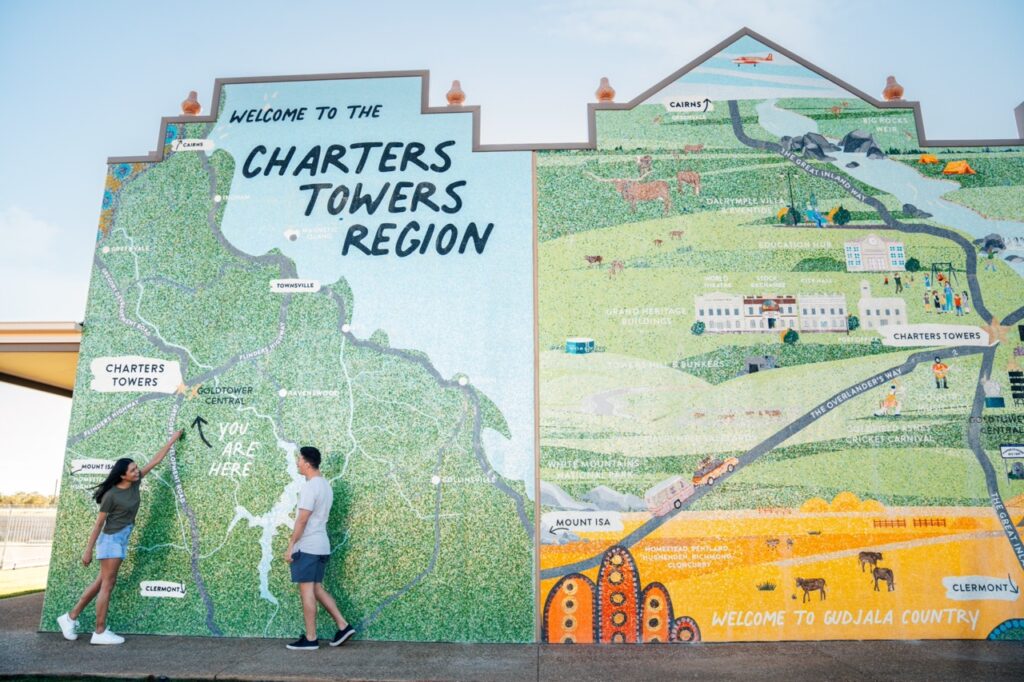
(198, 423)
(707, 103)
(1013, 588)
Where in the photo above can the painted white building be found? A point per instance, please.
(725, 313)
(769, 312)
(823, 313)
(720, 312)
(874, 254)
(876, 313)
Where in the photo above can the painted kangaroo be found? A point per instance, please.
(809, 585)
(634, 191)
(688, 177)
(869, 558)
(885, 574)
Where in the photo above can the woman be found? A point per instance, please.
(118, 497)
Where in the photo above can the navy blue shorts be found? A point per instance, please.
(308, 568)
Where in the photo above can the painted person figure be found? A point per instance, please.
(940, 370)
(118, 497)
(927, 302)
(309, 549)
(890, 404)
(936, 302)
(899, 282)
(966, 297)
(958, 303)
(948, 291)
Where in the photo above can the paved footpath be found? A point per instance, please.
(26, 653)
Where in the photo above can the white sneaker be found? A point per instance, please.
(106, 637)
(68, 627)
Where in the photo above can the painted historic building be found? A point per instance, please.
(877, 312)
(874, 254)
(723, 313)
(823, 313)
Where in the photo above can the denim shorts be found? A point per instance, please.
(114, 545)
(308, 568)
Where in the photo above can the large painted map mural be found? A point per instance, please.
(323, 264)
(756, 373)
(780, 368)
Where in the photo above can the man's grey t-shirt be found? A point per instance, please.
(316, 496)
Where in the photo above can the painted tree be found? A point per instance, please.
(912, 265)
(791, 336)
(852, 323)
(842, 216)
(697, 328)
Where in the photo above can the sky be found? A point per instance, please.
(84, 81)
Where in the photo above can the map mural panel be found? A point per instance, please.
(780, 383)
(777, 345)
(323, 265)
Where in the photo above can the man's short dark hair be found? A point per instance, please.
(311, 455)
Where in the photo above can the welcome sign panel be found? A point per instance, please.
(323, 264)
(779, 369)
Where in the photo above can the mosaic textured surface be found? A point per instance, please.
(799, 414)
(221, 292)
(778, 350)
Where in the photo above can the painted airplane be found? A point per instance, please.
(752, 61)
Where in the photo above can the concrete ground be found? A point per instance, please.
(26, 653)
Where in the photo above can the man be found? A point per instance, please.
(940, 370)
(309, 549)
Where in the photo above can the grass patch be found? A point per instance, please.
(727, 362)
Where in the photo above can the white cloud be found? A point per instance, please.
(674, 26)
(45, 278)
(29, 236)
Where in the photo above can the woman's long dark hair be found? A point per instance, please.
(119, 469)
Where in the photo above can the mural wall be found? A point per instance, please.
(780, 383)
(322, 265)
(777, 343)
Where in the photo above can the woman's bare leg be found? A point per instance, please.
(108, 578)
(87, 597)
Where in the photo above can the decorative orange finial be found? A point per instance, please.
(456, 96)
(191, 105)
(893, 90)
(605, 92)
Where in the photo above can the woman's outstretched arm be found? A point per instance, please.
(160, 455)
(101, 518)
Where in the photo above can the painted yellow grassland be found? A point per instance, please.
(714, 563)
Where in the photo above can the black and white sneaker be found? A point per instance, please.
(342, 635)
(303, 644)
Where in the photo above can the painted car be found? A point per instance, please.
(712, 469)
